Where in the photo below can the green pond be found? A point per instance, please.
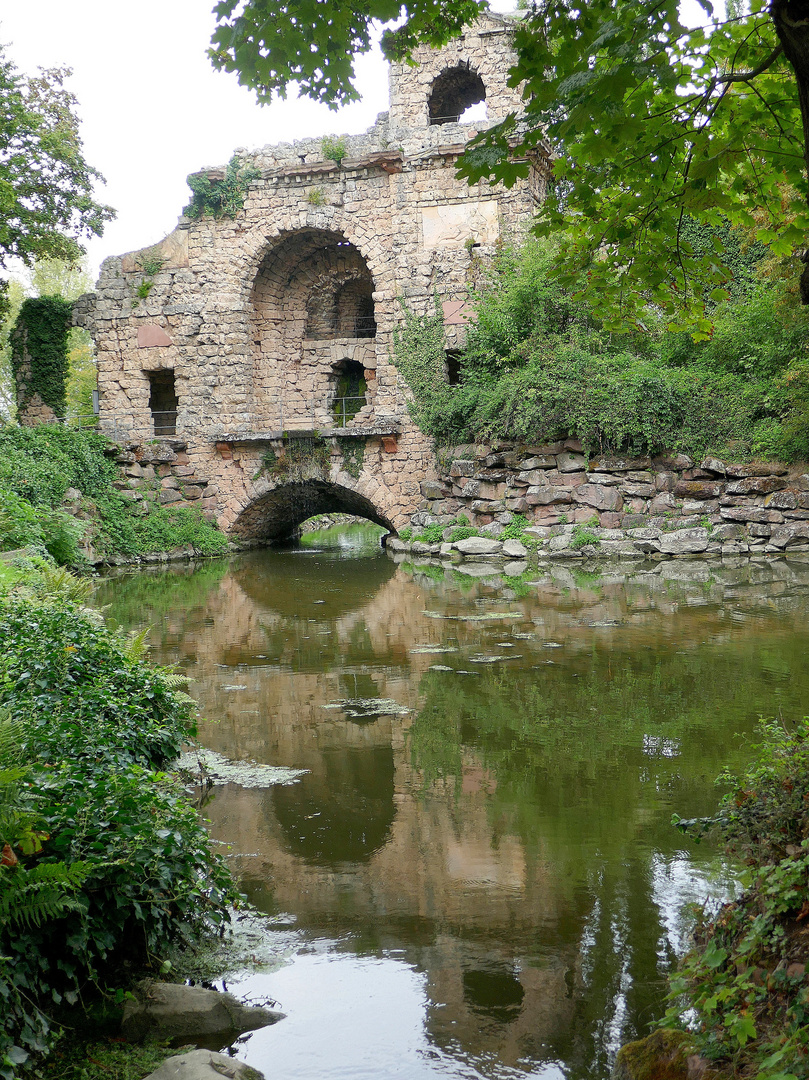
(476, 876)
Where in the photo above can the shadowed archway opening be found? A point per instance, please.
(454, 91)
(277, 514)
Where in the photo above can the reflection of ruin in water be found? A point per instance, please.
(509, 836)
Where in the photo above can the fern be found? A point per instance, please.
(135, 645)
(55, 582)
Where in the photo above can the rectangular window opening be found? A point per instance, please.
(453, 360)
(163, 401)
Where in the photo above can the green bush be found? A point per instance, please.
(431, 534)
(168, 528)
(746, 1004)
(39, 464)
(538, 367)
(96, 725)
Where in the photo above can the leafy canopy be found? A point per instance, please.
(649, 121)
(46, 186)
(272, 43)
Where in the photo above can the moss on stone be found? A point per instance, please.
(664, 1055)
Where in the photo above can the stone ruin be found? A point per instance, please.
(237, 336)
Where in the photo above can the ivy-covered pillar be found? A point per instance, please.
(39, 358)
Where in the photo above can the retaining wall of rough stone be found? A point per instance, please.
(638, 507)
(163, 470)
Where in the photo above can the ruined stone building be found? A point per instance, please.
(234, 331)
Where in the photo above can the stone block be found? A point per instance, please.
(643, 491)
(698, 489)
(730, 532)
(787, 535)
(478, 545)
(756, 485)
(600, 498)
(514, 549)
(604, 479)
(547, 496)
(675, 462)
(665, 481)
(170, 495)
(757, 468)
(759, 514)
(782, 500)
(538, 461)
(619, 464)
(462, 467)
(684, 541)
(567, 462)
(609, 519)
(714, 465)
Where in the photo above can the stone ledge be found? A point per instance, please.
(381, 427)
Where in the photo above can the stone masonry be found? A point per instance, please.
(639, 507)
(236, 335)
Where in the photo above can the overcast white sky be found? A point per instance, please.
(152, 107)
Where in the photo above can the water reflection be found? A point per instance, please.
(484, 833)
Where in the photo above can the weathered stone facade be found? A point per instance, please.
(232, 331)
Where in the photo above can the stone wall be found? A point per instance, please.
(163, 470)
(667, 504)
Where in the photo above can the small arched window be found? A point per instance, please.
(454, 91)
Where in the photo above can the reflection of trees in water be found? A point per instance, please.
(588, 760)
(344, 813)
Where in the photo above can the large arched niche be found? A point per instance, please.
(277, 514)
(454, 91)
(313, 284)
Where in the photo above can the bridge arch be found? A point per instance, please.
(276, 514)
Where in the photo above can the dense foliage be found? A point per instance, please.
(744, 986)
(126, 858)
(272, 44)
(37, 467)
(649, 120)
(46, 187)
(540, 365)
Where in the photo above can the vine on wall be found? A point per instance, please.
(39, 345)
(353, 454)
(297, 460)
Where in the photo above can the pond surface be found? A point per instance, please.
(477, 876)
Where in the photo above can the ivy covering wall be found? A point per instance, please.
(39, 355)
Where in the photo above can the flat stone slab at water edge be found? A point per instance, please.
(204, 1065)
(478, 545)
(175, 1011)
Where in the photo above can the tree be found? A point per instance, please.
(46, 186)
(650, 121)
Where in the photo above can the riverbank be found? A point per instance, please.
(62, 493)
(105, 862)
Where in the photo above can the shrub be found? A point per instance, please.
(133, 861)
(746, 1003)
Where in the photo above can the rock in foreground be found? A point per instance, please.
(175, 1011)
(204, 1065)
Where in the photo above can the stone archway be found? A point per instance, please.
(277, 513)
(454, 91)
